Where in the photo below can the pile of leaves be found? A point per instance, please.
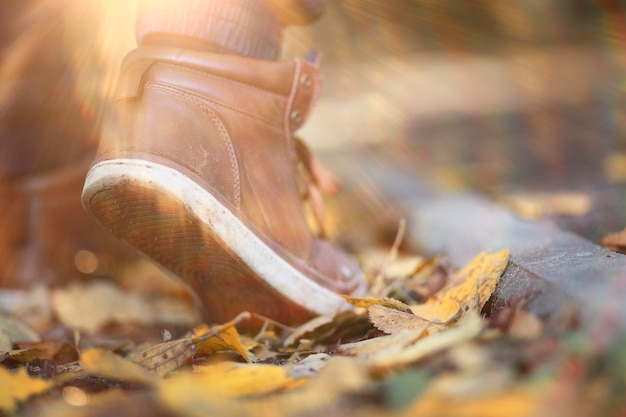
(424, 342)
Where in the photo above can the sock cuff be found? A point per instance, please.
(243, 27)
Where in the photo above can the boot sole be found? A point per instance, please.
(183, 226)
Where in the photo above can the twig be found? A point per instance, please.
(379, 283)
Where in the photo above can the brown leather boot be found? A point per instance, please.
(197, 167)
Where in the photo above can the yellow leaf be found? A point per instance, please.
(469, 288)
(440, 311)
(110, 365)
(366, 302)
(404, 267)
(18, 386)
(519, 401)
(533, 206)
(220, 338)
(224, 382)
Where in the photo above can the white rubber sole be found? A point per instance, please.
(224, 225)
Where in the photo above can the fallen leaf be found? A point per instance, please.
(343, 327)
(533, 206)
(521, 401)
(230, 389)
(18, 386)
(31, 307)
(404, 267)
(615, 167)
(219, 338)
(400, 349)
(430, 276)
(90, 307)
(13, 331)
(166, 357)
(60, 352)
(615, 241)
(27, 355)
(388, 359)
(469, 288)
(365, 302)
(393, 321)
(307, 327)
(109, 365)
(525, 325)
(198, 392)
(340, 378)
(439, 311)
(391, 344)
(309, 366)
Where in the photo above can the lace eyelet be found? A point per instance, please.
(296, 116)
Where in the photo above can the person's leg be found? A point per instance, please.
(48, 138)
(199, 167)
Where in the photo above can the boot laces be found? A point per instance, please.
(314, 181)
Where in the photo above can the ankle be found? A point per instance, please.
(241, 27)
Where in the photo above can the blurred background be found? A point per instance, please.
(502, 98)
(522, 101)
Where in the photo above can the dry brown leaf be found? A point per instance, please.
(166, 357)
(392, 358)
(469, 288)
(60, 352)
(18, 386)
(26, 355)
(391, 344)
(344, 326)
(393, 321)
(90, 307)
(109, 365)
(307, 327)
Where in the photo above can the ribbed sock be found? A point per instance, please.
(242, 27)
